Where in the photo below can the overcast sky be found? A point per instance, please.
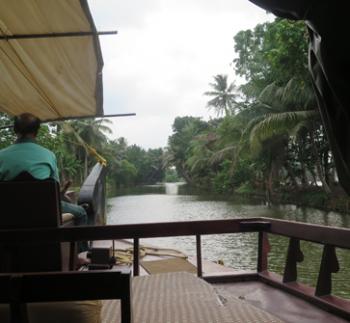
(165, 54)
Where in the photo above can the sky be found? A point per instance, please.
(163, 58)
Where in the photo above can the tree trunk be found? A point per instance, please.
(183, 172)
(318, 165)
(304, 180)
(313, 176)
(269, 186)
(292, 176)
(326, 168)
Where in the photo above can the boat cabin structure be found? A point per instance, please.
(51, 65)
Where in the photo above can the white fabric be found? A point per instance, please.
(66, 217)
(49, 77)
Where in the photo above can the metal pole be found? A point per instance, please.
(199, 255)
(55, 35)
(136, 257)
(84, 117)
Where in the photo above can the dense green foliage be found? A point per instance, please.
(127, 165)
(270, 139)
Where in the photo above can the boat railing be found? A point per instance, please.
(330, 237)
(93, 193)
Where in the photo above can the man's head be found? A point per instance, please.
(26, 125)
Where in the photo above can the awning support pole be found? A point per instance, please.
(55, 35)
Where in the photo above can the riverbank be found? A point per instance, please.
(314, 197)
(337, 201)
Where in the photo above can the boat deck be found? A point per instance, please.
(183, 298)
(285, 306)
(230, 303)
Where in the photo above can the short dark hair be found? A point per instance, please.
(25, 124)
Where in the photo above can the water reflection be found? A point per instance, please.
(169, 203)
(173, 188)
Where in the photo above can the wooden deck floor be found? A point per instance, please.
(183, 298)
(272, 300)
(281, 304)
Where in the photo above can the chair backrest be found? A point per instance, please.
(17, 290)
(30, 203)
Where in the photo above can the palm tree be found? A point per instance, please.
(201, 152)
(223, 96)
(284, 112)
(92, 132)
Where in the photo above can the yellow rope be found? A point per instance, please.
(92, 151)
(126, 256)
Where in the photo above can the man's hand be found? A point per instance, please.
(64, 189)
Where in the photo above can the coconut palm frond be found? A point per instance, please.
(277, 124)
(251, 124)
(212, 93)
(194, 162)
(220, 155)
(224, 95)
(301, 126)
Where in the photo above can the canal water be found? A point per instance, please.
(172, 202)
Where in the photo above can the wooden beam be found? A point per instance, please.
(330, 303)
(230, 278)
(338, 237)
(254, 226)
(123, 231)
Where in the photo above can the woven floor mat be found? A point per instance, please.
(170, 265)
(182, 298)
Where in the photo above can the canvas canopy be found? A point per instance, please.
(43, 68)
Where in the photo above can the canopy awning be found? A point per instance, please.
(44, 68)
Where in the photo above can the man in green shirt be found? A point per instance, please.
(26, 155)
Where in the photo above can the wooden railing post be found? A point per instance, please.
(126, 303)
(329, 265)
(18, 309)
(136, 257)
(199, 255)
(72, 255)
(294, 256)
(263, 250)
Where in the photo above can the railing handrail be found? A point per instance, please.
(125, 231)
(339, 237)
(321, 234)
(330, 237)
